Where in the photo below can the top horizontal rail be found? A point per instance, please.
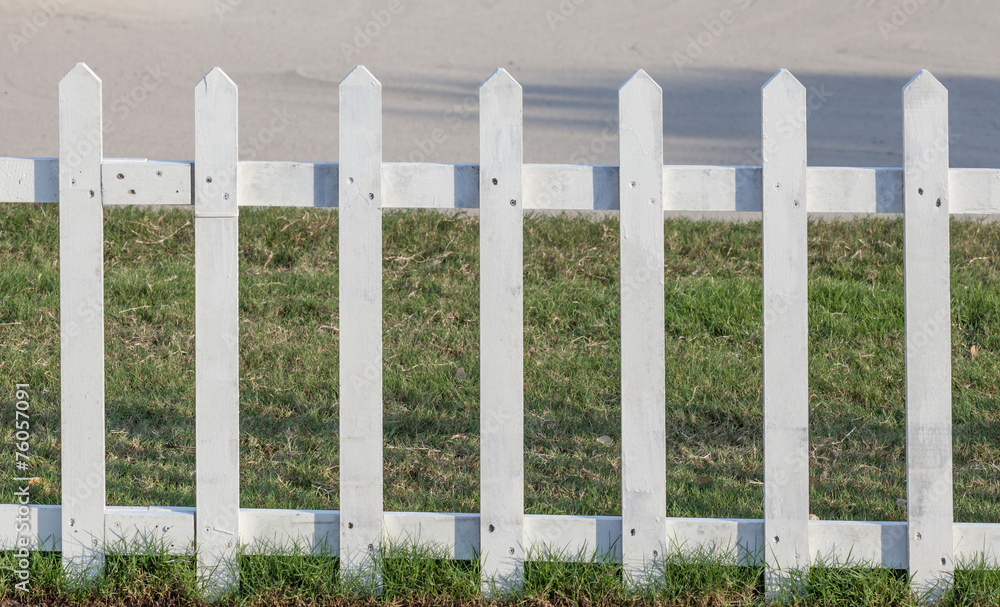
(456, 186)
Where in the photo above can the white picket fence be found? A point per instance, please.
(785, 190)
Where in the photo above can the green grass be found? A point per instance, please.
(289, 353)
(416, 576)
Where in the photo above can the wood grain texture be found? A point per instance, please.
(786, 331)
(217, 394)
(927, 278)
(81, 319)
(360, 295)
(501, 309)
(644, 497)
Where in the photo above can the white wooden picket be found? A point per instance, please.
(644, 443)
(784, 190)
(786, 331)
(81, 319)
(360, 297)
(501, 334)
(927, 278)
(217, 363)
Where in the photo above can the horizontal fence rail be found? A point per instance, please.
(784, 190)
(694, 189)
(456, 535)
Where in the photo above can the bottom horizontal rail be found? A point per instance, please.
(456, 536)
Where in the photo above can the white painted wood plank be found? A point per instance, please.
(708, 188)
(43, 531)
(694, 189)
(572, 538)
(81, 305)
(973, 191)
(579, 188)
(217, 396)
(840, 190)
(29, 179)
(360, 237)
(858, 544)
(288, 184)
(732, 541)
(786, 331)
(431, 186)
(453, 536)
(265, 530)
(927, 278)
(135, 529)
(977, 544)
(570, 187)
(501, 334)
(644, 496)
(735, 541)
(129, 182)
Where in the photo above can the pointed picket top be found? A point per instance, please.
(500, 78)
(216, 144)
(78, 84)
(360, 76)
(924, 83)
(217, 77)
(640, 79)
(782, 80)
(80, 73)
